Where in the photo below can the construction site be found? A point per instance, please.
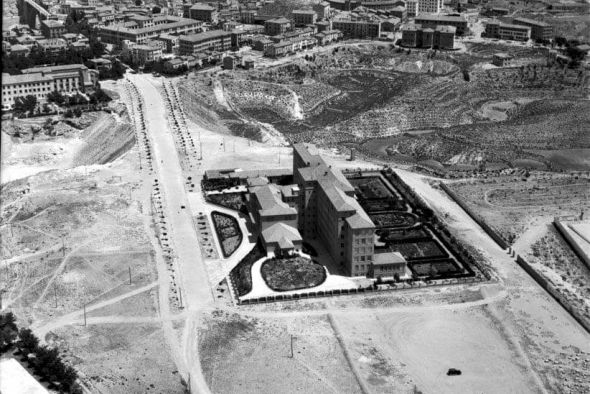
(118, 254)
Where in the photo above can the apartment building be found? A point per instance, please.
(204, 13)
(433, 21)
(355, 28)
(327, 36)
(275, 26)
(415, 36)
(430, 6)
(291, 45)
(52, 28)
(328, 211)
(539, 30)
(322, 10)
(40, 81)
(117, 33)
(412, 7)
(140, 54)
(505, 31)
(304, 17)
(215, 40)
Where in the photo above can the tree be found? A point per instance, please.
(27, 341)
(156, 10)
(56, 97)
(25, 104)
(138, 2)
(8, 331)
(77, 112)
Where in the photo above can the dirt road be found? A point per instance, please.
(193, 274)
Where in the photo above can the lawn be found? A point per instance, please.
(284, 274)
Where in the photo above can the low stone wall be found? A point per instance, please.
(572, 242)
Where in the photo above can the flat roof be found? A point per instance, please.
(441, 18)
(8, 79)
(388, 258)
(531, 21)
(206, 35)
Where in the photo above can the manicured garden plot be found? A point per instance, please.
(292, 273)
(219, 184)
(392, 235)
(235, 201)
(241, 275)
(380, 205)
(435, 269)
(393, 219)
(228, 231)
(371, 188)
(418, 250)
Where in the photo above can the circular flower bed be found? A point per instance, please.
(292, 273)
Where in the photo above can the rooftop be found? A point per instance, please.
(388, 258)
(8, 79)
(207, 35)
(270, 202)
(531, 22)
(441, 18)
(282, 234)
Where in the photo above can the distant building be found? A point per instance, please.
(495, 11)
(214, 40)
(117, 33)
(399, 12)
(539, 30)
(322, 10)
(304, 17)
(328, 36)
(40, 81)
(502, 59)
(412, 7)
(388, 265)
(289, 46)
(248, 16)
(505, 31)
(357, 28)
(433, 21)
(141, 54)
(416, 36)
(273, 27)
(53, 28)
(53, 45)
(204, 13)
(430, 6)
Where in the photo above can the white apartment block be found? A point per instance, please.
(430, 6)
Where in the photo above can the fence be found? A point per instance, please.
(361, 290)
(553, 292)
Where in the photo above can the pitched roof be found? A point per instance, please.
(282, 234)
(269, 201)
(388, 258)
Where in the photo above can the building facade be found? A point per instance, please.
(433, 21)
(117, 33)
(304, 17)
(328, 210)
(505, 31)
(357, 29)
(539, 30)
(215, 40)
(430, 6)
(40, 81)
(273, 27)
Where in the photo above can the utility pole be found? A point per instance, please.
(84, 315)
(63, 247)
(180, 296)
(291, 346)
(129, 275)
(55, 294)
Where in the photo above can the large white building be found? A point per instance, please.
(40, 81)
(430, 6)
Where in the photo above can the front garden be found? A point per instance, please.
(228, 232)
(292, 273)
(241, 275)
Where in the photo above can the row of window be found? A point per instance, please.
(363, 258)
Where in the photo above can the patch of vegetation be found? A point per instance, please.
(228, 231)
(241, 275)
(292, 273)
